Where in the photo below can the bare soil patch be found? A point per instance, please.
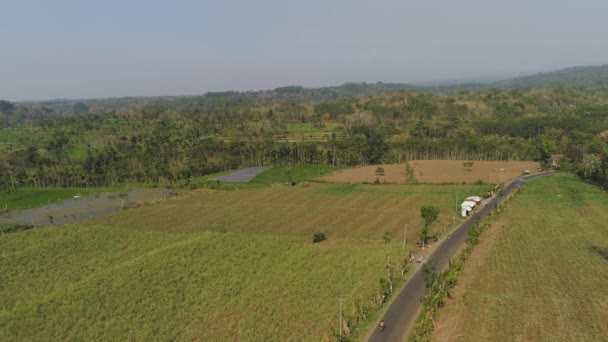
(438, 172)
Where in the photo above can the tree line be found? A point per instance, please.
(167, 141)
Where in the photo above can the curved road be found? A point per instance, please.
(402, 311)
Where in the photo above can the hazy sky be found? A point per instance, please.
(83, 49)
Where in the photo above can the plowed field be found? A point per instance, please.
(437, 172)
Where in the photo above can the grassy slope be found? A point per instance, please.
(544, 276)
(214, 266)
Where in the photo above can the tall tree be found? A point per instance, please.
(429, 214)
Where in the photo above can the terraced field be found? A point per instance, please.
(215, 265)
(540, 273)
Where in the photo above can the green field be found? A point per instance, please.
(29, 197)
(214, 265)
(299, 174)
(540, 272)
(345, 211)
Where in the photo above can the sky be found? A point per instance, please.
(93, 49)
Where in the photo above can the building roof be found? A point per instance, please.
(468, 204)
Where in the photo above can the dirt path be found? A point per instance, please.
(241, 176)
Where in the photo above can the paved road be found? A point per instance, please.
(404, 308)
(241, 176)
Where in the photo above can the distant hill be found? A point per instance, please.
(588, 77)
(584, 77)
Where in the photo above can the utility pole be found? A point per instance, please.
(388, 273)
(455, 208)
(404, 236)
(390, 282)
(340, 300)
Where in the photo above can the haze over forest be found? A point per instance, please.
(72, 49)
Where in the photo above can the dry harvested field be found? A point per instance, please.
(540, 273)
(438, 172)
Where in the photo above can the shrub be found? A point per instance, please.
(380, 171)
(318, 237)
(409, 173)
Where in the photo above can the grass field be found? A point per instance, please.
(111, 283)
(540, 272)
(299, 173)
(29, 197)
(349, 211)
(214, 265)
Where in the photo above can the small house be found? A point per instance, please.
(468, 203)
(464, 211)
(475, 199)
(554, 159)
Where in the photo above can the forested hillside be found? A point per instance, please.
(589, 77)
(175, 139)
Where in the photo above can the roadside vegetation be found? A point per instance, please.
(539, 272)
